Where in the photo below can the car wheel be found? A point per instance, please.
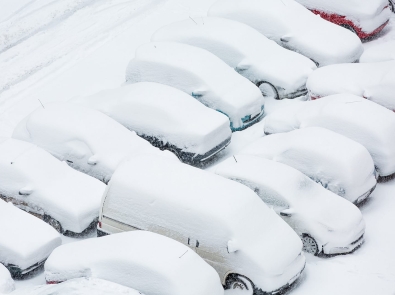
(310, 245)
(350, 28)
(267, 89)
(54, 223)
(240, 283)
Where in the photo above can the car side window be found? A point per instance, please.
(272, 198)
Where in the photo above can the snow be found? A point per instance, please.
(6, 282)
(331, 220)
(366, 14)
(82, 286)
(246, 50)
(203, 206)
(87, 139)
(294, 27)
(374, 81)
(48, 186)
(356, 118)
(204, 76)
(145, 261)
(164, 112)
(25, 239)
(381, 52)
(341, 165)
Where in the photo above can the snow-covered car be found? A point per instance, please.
(373, 81)
(223, 221)
(88, 140)
(280, 73)
(80, 286)
(202, 75)
(35, 181)
(150, 263)
(26, 241)
(294, 27)
(354, 117)
(167, 117)
(7, 284)
(365, 18)
(382, 52)
(325, 222)
(338, 163)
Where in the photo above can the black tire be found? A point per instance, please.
(267, 89)
(350, 28)
(310, 245)
(54, 223)
(242, 283)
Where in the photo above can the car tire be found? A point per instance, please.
(350, 28)
(54, 223)
(267, 89)
(310, 245)
(240, 283)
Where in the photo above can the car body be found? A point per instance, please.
(142, 260)
(365, 18)
(381, 52)
(167, 117)
(354, 117)
(202, 75)
(280, 73)
(88, 140)
(338, 163)
(26, 240)
(373, 81)
(251, 248)
(325, 222)
(7, 284)
(35, 181)
(294, 27)
(81, 286)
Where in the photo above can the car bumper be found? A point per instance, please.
(300, 92)
(339, 250)
(254, 120)
(17, 272)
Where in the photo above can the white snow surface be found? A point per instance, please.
(164, 112)
(7, 284)
(81, 286)
(48, 186)
(25, 239)
(381, 52)
(190, 200)
(359, 119)
(373, 81)
(340, 164)
(294, 27)
(93, 142)
(331, 220)
(199, 73)
(142, 260)
(243, 48)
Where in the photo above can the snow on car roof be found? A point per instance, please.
(382, 52)
(189, 200)
(82, 286)
(294, 27)
(165, 112)
(87, 134)
(145, 261)
(354, 117)
(338, 163)
(26, 239)
(6, 282)
(243, 48)
(49, 185)
(204, 75)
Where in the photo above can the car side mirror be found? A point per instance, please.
(25, 191)
(232, 246)
(287, 212)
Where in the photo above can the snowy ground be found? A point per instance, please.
(52, 50)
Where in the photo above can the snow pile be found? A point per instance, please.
(339, 164)
(244, 49)
(356, 118)
(373, 81)
(37, 182)
(166, 113)
(328, 218)
(294, 27)
(235, 230)
(6, 282)
(25, 239)
(82, 286)
(87, 139)
(381, 52)
(200, 74)
(145, 261)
